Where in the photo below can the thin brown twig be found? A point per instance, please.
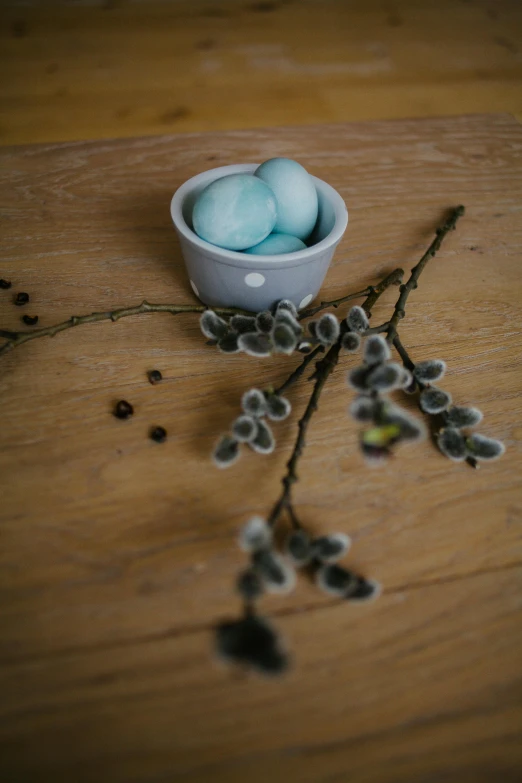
(18, 338)
(334, 303)
(416, 272)
(297, 373)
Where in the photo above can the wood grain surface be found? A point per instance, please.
(118, 554)
(103, 68)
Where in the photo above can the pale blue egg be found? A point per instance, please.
(235, 212)
(295, 193)
(275, 244)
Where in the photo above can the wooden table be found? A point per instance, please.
(118, 554)
(76, 70)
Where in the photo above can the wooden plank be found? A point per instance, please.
(100, 69)
(118, 554)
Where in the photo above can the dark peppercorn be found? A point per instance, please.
(123, 409)
(158, 434)
(5, 284)
(30, 320)
(21, 299)
(154, 376)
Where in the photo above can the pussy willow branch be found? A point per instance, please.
(323, 370)
(325, 366)
(17, 338)
(410, 365)
(416, 272)
(399, 313)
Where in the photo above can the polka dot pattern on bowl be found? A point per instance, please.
(254, 279)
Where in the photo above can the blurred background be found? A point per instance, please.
(102, 68)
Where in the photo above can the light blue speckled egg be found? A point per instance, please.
(295, 193)
(275, 244)
(235, 212)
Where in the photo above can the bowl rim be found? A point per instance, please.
(249, 260)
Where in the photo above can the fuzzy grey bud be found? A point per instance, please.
(363, 408)
(406, 380)
(452, 443)
(253, 403)
(286, 304)
(327, 329)
(376, 350)
(278, 408)
(276, 574)
(329, 549)
(462, 416)
(229, 343)
(284, 338)
(411, 387)
(385, 377)
(251, 641)
(243, 323)
(249, 585)
(363, 590)
(255, 344)
(357, 319)
(264, 442)
(285, 317)
(244, 429)
(410, 428)
(335, 579)
(482, 448)
(264, 322)
(305, 346)
(429, 371)
(299, 547)
(351, 342)
(212, 325)
(226, 452)
(358, 378)
(434, 400)
(256, 534)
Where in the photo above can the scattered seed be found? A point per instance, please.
(30, 320)
(21, 299)
(123, 409)
(158, 434)
(5, 284)
(154, 376)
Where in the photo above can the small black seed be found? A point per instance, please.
(5, 284)
(21, 299)
(154, 376)
(123, 409)
(30, 320)
(158, 434)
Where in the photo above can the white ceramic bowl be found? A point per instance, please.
(228, 278)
